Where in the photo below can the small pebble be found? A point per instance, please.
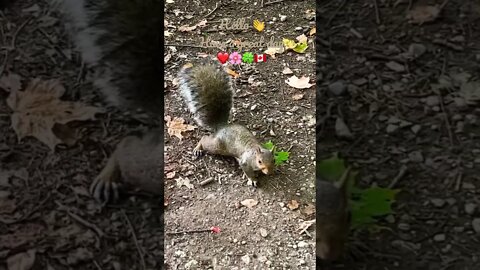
(416, 156)
(337, 88)
(439, 237)
(470, 208)
(438, 202)
(476, 225)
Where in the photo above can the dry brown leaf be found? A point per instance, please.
(167, 33)
(250, 203)
(297, 96)
(232, 73)
(21, 261)
(313, 31)
(423, 14)
(11, 82)
(292, 205)
(37, 109)
(186, 28)
(176, 126)
(299, 83)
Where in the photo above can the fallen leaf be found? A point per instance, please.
(167, 33)
(232, 73)
(305, 225)
(287, 71)
(11, 82)
(171, 175)
(289, 43)
(170, 1)
(184, 182)
(250, 203)
(297, 96)
(423, 14)
(342, 130)
(21, 261)
(302, 38)
(37, 109)
(274, 50)
(165, 23)
(301, 47)
(470, 91)
(313, 31)
(292, 205)
(176, 126)
(299, 83)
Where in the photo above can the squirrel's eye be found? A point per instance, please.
(259, 161)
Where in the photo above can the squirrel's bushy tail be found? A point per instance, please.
(207, 90)
(120, 40)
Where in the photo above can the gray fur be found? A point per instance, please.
(120, 40)
(207, 91)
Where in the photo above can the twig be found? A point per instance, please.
(14, 38)
(458, 183)
(377, 12)
(184, 45)
(447, 122)
(97, 265)
(208, 181)
(50, 41)
(211, 12)
(399, 176)
(189, 231)
(336, 12)
(273, 2)
(80, 220)
(4, 63)
(134, 236)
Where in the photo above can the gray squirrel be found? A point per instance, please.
(207, 91)
(120, 40)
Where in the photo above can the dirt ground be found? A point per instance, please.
(397, 119)
(267, 235)
(46, 212)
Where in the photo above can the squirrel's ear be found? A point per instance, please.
(258, 150)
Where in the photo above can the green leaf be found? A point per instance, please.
(301, 47)
(281, 157)
(331, 169)
(269, 145)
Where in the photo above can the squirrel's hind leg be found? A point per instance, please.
(105, 184)
(207, 144)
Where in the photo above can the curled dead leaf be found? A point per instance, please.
(287, 71)
(186, 28)
(232, 73)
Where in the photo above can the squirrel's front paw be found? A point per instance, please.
(104, 190)
(252, 183)
(198, 153)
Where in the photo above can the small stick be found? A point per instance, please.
(211, 12)
(273, 2)
(399, 176)
(86, 223)
(14, 38)
(447, 122)
(134, 236)
(190, 231)
(377, 12)
(208, 181)
(459, 181)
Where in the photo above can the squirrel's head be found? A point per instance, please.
(264, 160)
(332, 219)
